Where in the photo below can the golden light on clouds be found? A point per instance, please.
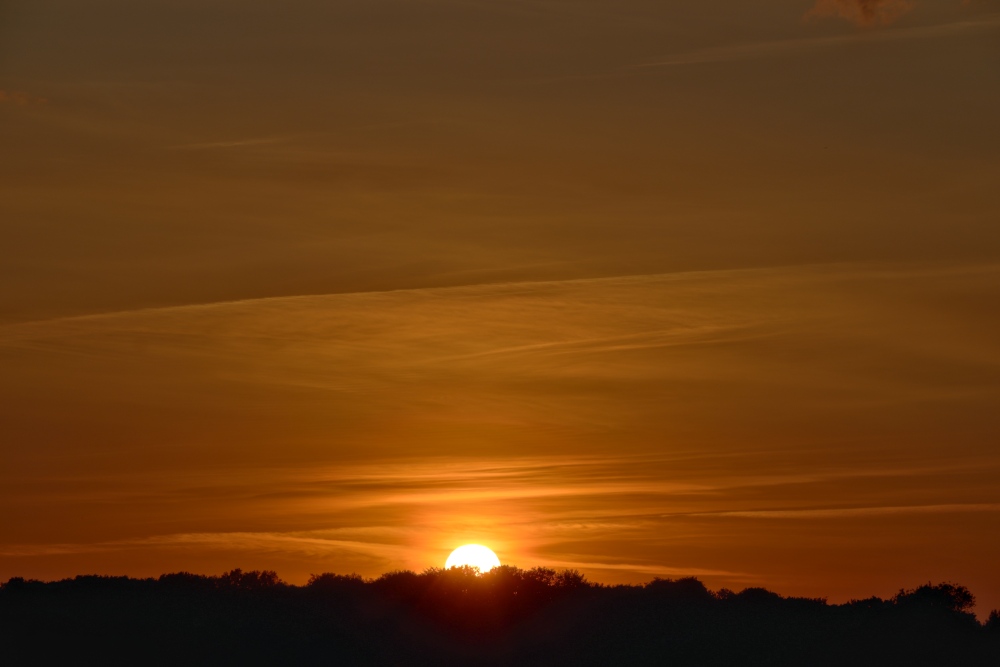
(688, 423)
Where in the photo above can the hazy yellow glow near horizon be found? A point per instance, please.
(641, 288)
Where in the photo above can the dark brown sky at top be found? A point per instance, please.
(637, 287)
(192, 152)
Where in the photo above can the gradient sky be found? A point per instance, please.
(644, 288)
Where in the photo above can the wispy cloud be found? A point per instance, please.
(862, 12)
(235, 143)
(855, 512)
(20, 98)
(308, 544)
(653, 570)
(772, 48)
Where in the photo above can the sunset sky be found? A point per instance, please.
(639, 287)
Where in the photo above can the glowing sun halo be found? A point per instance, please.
(475, 555)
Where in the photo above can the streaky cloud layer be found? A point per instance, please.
(373, 431)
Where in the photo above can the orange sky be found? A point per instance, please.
(641, 288)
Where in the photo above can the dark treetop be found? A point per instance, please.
(507, 616)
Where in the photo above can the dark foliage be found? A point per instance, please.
(508, 616)
(993, 623)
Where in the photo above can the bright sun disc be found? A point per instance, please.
(475, 555)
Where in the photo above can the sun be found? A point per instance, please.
(475, 555)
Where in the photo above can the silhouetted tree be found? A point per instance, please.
(255, 580)
(688, 589)
(872, 603)
(401, 583)
(570, 580)
(758, 596)
(540, 576)
(725, 594)
(945, 597)
(186, 580)
(992, 624)
(20, 584)
(336, 582)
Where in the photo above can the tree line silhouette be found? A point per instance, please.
(508, 616)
